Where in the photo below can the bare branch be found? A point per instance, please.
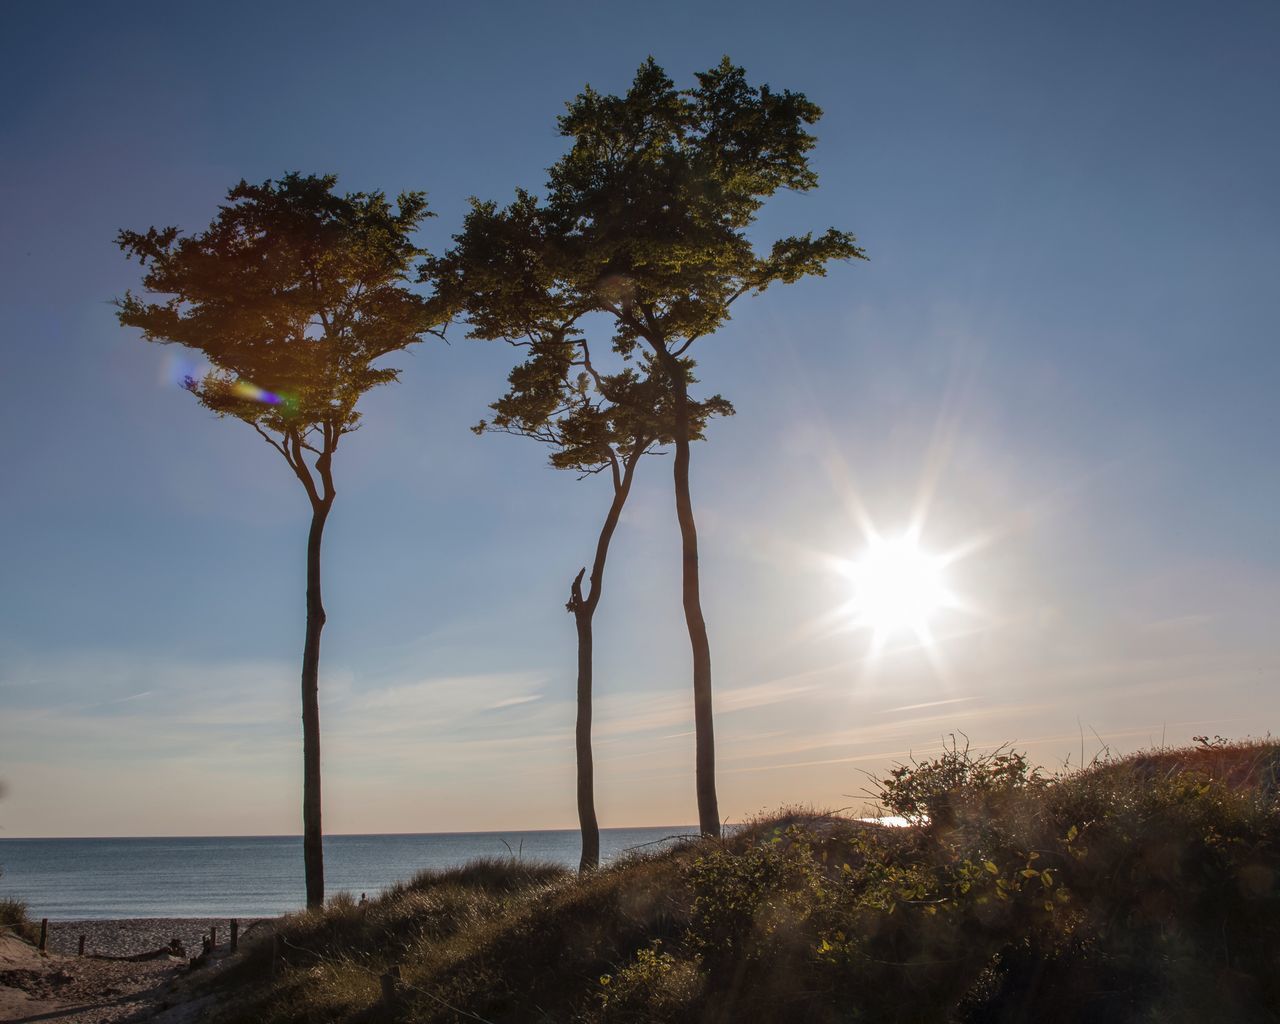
(272, 441)
(584, 472)
(590, 368)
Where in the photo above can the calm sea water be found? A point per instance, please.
(255, 876)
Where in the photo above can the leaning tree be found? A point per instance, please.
(292, 294)
(594, 421)
(645, 221)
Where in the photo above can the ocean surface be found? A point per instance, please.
(257, 876)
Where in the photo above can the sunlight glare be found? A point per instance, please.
(897, 587)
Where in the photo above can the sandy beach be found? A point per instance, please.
(130, 936)
(97, 988)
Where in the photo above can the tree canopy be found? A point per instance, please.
(292, 294)
(645, 217)
(591, 421)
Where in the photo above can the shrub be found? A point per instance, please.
(656, 985)
(959, 787)
(749, 906)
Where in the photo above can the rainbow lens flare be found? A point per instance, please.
(243, 389)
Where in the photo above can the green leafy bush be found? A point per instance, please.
(656, 985)
(751, 905)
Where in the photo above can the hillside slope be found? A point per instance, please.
(1139, 889)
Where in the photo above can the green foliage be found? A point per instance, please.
(644, 222)
(959, 786)
(591, 421)
(649, 207)
(750, 904)
(292, 294)
(656, 985)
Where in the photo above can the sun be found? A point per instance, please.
(898, 587)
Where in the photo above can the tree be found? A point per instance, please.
(645, 221)
(593, 422)
(292, 295)
(602, 423)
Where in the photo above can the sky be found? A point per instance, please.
(1060, 363)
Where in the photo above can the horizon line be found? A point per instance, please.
(349, 835)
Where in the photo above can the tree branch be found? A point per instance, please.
(300, 467)
(590, 368)
(614, 469)
(681, 350)
(273, 442)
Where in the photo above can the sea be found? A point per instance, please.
(260, 876)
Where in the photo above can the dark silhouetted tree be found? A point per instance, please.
(594, 422)
(292, 295)
(644, 221)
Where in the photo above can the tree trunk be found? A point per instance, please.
(590, 859)
(584, 610)
(704, 736)
(312, 848)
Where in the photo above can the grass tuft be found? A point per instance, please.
(13, 918)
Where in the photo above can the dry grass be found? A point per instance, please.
(13, 918)
(1139, 889)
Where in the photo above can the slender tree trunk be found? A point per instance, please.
(703, 728)
(590, 827)
(584, 610)
(312, 848)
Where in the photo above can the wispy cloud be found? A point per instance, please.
(132, 696)
(927, 704)
(512, 702)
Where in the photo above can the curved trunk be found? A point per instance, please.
(312, 848)
(704, 735)
(584, 610)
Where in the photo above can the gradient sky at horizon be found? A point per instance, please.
(1063, 346)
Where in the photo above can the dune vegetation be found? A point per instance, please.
(14, 918)
(1141, 888)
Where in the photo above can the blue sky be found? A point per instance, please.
(1065, 338)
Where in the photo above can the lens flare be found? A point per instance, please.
(243, 389)
(178, 369)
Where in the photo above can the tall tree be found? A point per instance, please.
(645, 220)
(594, 422)
(601, 424)
(292, 294)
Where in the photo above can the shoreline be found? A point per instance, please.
(125, 975)
(130, 936)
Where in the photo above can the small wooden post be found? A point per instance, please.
(235, 934)
(390, 984)
(81, 953)
(213, 937)
(275, 953)
(44, 932)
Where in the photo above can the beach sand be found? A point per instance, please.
(63, 988)
(137, 935)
